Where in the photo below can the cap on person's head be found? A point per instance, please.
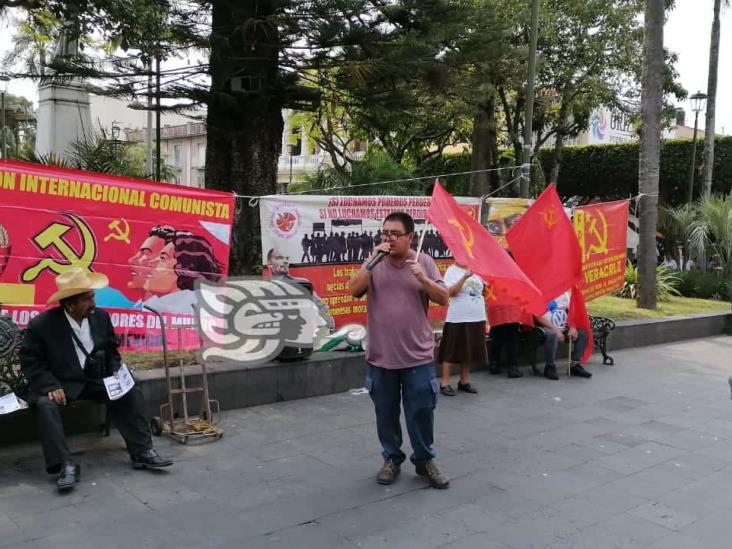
(77, 281)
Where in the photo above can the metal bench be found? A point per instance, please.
(11, 377)
(601, 328)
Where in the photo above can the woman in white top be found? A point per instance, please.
(463, 335)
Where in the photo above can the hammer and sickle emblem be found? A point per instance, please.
(466, 234)
(118, 233)
(598, 230)
(592, 233)
(490, 293)
(53, 235)
(550, 217)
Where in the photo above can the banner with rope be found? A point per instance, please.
(325, 239)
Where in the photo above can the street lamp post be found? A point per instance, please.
(697, 105)
(3, 88)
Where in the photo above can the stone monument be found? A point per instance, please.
(64, 113)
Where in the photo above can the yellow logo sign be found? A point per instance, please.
(53, 237)
(592, 233)
(550, 217)
(466, 234)
(118, 233)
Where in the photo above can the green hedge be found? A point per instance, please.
(702, 284)
(610, 171)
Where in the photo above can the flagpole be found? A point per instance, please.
(421, 240)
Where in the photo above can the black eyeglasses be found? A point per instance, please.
(389, 235)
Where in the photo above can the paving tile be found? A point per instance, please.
(639, 457)
(673, 519)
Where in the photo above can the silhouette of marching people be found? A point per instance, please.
(356, 246)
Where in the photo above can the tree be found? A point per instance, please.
(709, 134)
(650, 150)
(710, 233)
(258, 53)
(19, 124)
(590, 56)
(488, 58)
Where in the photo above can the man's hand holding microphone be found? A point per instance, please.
(379, 253)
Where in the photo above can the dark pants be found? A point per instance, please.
(417, 389)
(505, 336)
(127, 414)
(551, 343)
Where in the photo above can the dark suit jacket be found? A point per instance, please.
(48, 356)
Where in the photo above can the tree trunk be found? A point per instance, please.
(482, 154)
(513, 126)
(244, 128)
(557, 158)
(650, 151)
(559, 137)
(708, 155)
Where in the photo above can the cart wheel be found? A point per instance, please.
(156, 426)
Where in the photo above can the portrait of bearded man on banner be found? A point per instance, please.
(500, 214)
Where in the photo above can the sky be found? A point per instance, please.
(686, 33)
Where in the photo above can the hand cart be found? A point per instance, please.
(175, 421)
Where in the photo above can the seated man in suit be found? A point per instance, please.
(65, 354)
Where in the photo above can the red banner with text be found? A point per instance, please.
(152, 240)
(602, 232)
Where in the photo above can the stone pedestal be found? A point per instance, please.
(63, 116)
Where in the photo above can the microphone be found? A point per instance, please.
(375, 261)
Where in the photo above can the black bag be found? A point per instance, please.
(95, 365)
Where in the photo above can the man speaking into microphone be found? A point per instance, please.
(399, 283)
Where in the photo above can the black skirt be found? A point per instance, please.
(463, 342)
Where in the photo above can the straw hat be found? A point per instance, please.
(77, 281)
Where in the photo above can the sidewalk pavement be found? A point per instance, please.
(638, 456)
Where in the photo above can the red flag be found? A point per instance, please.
(545, 245)
(472, 245)
(578, 318)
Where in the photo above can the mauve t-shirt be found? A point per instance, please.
(398, 331)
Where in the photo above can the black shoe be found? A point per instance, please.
(494, 369)
(150, 460)
(447, 390)
(577, 370)
(69, 477)
(467, 388)
(514, 372)
(550, 372)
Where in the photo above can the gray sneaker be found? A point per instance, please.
(388, 472)
(436, 477)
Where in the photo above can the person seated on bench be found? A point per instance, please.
(505, 322)
(65, 354)
(554, 323)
